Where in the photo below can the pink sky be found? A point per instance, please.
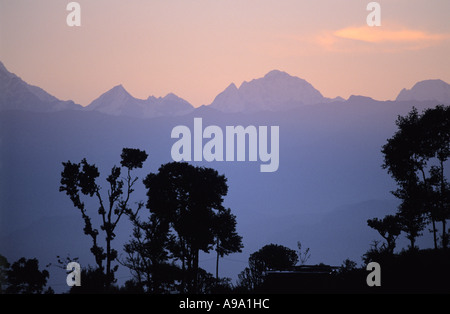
(196, 48)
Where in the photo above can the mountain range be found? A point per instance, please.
(117, 101)
(329, 182)
(276, 91)
(17, 94)
(437, 90)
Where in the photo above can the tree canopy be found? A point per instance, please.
(79, 179)
(188, 200)
(416, 157)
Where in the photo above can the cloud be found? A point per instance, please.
(381, 35)
(387, 38)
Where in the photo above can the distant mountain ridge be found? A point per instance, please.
(427, 90)
(17, 94)
(276, 91)
(320, 194)
(117, 101)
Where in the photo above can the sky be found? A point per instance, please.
(196, 48)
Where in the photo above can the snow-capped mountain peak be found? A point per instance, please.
(118, 101)
(277, 90)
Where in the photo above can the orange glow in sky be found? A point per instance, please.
(196, 48)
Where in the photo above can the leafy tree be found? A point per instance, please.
(412, 216)
(79, 179)
(131, 287)
(24, 277)
(440, 208)
(389, 228)
(275, 257)
(227, 239)
(375, 253)
(250, 278)
(436, 141)
(207, 284)
(415, 157)
(148, 256)
(347, 266)
(269, 257)
(93, 279)
(4, 268)
(188, 200)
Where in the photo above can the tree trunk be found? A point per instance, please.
(108, 262)
(217, 267)
(195, 271)
(444, 234)
(217, 261)
(413, 242)
(183, 267)
(434, 233)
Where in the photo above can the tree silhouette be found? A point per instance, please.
(440, 191)
(435, 125)
(275, 257)
(415, 157)
(189, 200)
(24, 277)
(269, 257)
(4, 268)
(226, 238)
(303, 256)
(80, 178)
(148, 255)
(347, 266)
(411, 213)
(389, 228)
